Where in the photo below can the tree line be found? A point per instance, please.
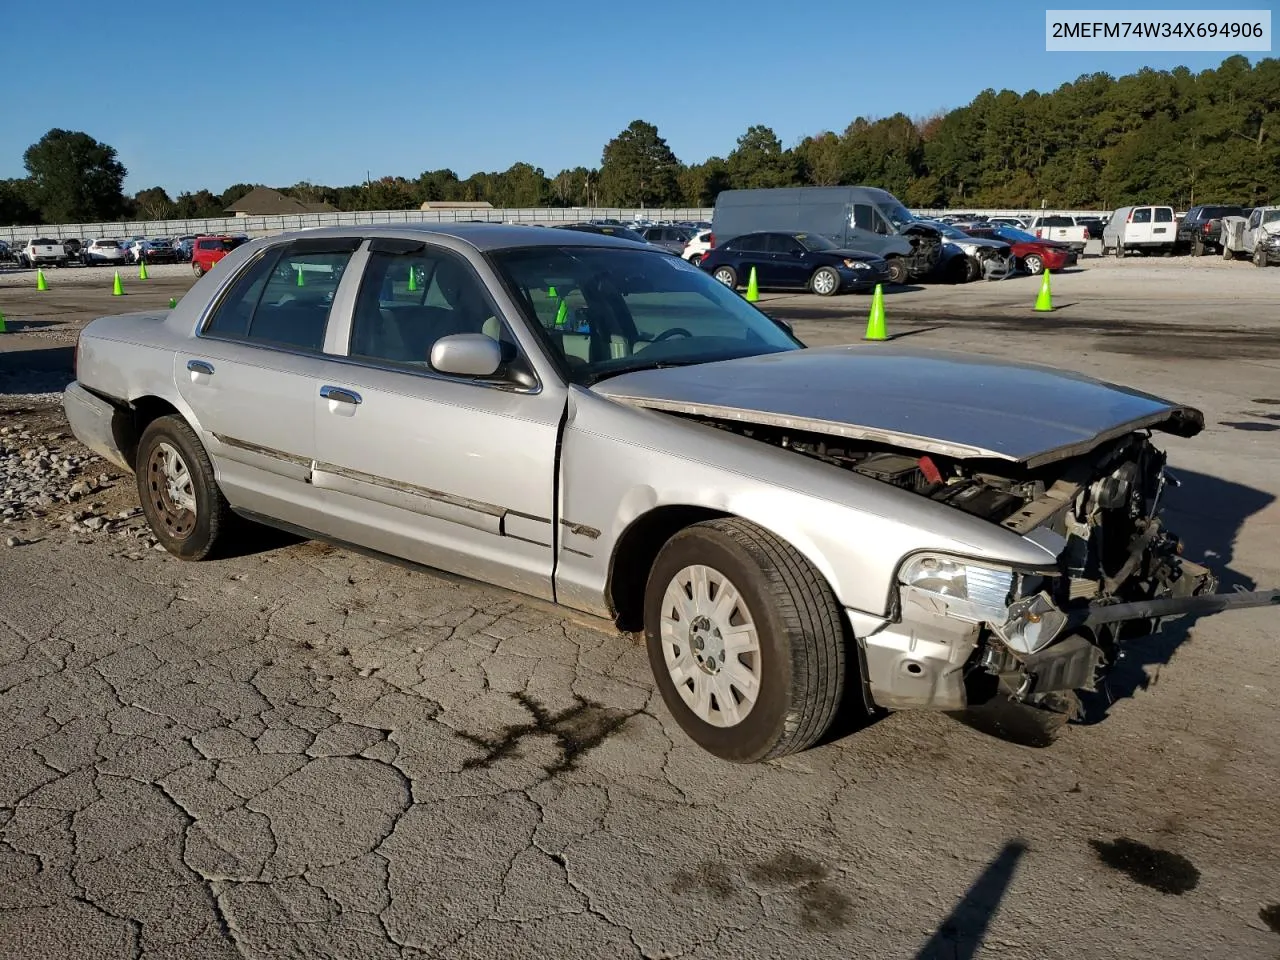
(1173, 137)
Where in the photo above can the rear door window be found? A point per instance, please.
(1164, 215)
(1141, 215)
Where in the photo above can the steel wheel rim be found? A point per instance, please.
(711, 646)
(725, 277)
(823, 283)
(172, 490)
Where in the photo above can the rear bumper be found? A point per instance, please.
(95, 423)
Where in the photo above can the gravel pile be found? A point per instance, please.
(48, 476)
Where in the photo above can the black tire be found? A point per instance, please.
(183, 537)
(972, 270)
(830, 284)
(726, 275)
(696, 259)
(197, 269)
(1119, 251)
(1197, 246)
(799, 627)
(1034, 264)
(1227, 254)
(1259, 255)
(897, 270)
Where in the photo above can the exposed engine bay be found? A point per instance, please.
(1035, 637)
(926, 250)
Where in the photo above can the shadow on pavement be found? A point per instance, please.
(959, 936)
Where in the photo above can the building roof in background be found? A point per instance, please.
(265, 202)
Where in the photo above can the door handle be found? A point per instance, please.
(199, 366)
(340, 394)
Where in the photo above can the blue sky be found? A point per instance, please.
(207, 94)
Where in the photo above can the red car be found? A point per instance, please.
(206, 251)
(1033, 254)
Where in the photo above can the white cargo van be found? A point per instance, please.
(1149, 229)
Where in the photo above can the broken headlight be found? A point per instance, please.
(978, 593)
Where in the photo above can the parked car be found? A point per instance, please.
(103, 251)
(72, 246)
(916, 530)
(1061, 229)
(853, 218)
(1094, 225)
(674, 239)
(43, 252)
(159, 251)
(1145, 229)
(1257, 236)
(207, 251)
(697, 247)
(6, 253)
(183, 245)
(605, 230)
(1019, 222)
(979, 257)
(1200, 230)
(806, 261)
(1030, 252)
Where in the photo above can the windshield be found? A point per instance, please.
(814, 241)
(955, 233)
(607, 311)
(1270, 216)
(898, 215)
(1014, 235)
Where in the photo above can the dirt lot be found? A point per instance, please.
(302, 752)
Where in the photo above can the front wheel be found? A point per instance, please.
(1259, 256)
(745, 641)
(1227, 253)
(825, 282)
(180, 497)
(897, 270)
(1034, 265)
(726, 275)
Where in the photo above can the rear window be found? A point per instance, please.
(46, 242)
(1057, 222)
(106, 244)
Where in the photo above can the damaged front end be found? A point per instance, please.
(926, 249)
(968, 632)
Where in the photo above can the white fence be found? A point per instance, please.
(263, 226)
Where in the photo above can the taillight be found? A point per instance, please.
(711, 240)
(1206, 228)
(1129, 218)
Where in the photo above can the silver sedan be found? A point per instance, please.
(594, 422)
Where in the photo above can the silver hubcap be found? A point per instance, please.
(725, 277)
(1034, 265)
(177, 479)
(823, 283)
(711, 646)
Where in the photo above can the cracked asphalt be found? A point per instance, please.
(302, 752)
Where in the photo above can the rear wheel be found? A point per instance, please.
(1197, 246)
(1034, 264)
(897, 270)
(745, 641)
(180, 497)
(825, 282)
(696, 259)
(726, 275)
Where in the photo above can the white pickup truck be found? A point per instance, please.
(1258, 236)
(1061, 229)
(41, 251)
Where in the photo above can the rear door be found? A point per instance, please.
(453, 472)
(752, 251)
(252, 373)
(1140, 226)
(1163, 226)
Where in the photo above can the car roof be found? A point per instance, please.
(481, 236)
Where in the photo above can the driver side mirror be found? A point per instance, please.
(467, 355)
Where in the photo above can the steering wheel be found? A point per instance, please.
(673, 332)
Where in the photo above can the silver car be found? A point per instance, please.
(595, 422)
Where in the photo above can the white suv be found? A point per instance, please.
(697, 248)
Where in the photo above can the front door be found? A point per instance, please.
(251, 376)
(787, 264)
(455, 473)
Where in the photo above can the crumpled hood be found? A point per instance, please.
(949, 404)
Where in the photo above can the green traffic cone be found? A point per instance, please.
(551, 293)
(413, 279)
(3, 328)
(301, 282)
(753, 288)
(875, 321)
(41, 283)
(562, 315)
(117, 288)
(142, 270)
(173, 302)
(1044, 299)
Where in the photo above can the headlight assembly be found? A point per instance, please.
(857, 265)
(977, 593)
